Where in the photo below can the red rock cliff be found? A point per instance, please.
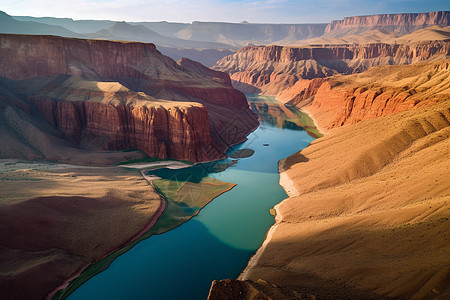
(377, 92)
(273, 69)
(150, 102)
(180, 132)
(274, 53)
(405, 23)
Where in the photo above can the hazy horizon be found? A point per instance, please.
(230, 11)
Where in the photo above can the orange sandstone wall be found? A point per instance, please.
(408, 21)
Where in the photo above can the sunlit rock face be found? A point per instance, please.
(405, 23)
(125, 95)
(272, 69)
(374, 93)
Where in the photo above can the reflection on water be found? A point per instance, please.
(193, 174)
(216, 243)
(275, 113)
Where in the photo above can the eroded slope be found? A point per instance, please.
(377, 221)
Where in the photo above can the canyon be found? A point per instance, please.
(373, 187)
(143, 101)
(73, 110)
(367, 210)
(367, 216)
(347, 233)
(272, 70)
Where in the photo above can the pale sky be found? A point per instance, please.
(254, 11)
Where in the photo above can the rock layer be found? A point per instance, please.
(272, 69)
(174, 132)
(377, 92)
(405, 23)
(125, 95)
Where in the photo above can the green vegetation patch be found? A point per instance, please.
(185, 198)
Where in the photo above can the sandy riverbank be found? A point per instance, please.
(289, 187)
(372, 213)
(57, 219)
(175, 197)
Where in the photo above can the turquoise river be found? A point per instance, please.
(218, 242)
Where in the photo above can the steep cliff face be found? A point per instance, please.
(377, 92)
(181, 132)
(421, 51)
(120, 95)
(404, 23)
(272, 69)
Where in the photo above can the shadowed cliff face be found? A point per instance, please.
(113, 96)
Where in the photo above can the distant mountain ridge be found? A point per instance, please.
(208, 42)
(78, 26)
(140, 33)
(235, 35)
(241, 34)
(10, 25)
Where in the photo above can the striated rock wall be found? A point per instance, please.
(175, 132)
(273, 69)
(377, 92)
(406, 22)
(415, 52)
(126, 95)
(28, 56)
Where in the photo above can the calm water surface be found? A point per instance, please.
(218, 242)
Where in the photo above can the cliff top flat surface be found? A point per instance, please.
(114, 93)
